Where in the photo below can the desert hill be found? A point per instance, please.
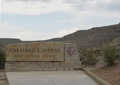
(84, 38)
(93, 37)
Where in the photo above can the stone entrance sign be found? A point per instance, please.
(42, 56)
(49, 51)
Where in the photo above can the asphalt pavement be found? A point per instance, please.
(50, 78)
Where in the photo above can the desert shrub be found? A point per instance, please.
(109, 55)
(88, 57)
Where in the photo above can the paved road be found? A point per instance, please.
(50, 78)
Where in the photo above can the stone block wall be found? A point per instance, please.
(71, 62)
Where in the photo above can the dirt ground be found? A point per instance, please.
(3, 79)
(110, 74)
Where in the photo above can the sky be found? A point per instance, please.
(46, 19)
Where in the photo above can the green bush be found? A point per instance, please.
(109, 55)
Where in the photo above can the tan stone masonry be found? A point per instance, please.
(71, 62)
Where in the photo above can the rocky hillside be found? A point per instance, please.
(93, 37)
(84, 38)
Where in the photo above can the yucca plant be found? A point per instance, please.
(109, 55)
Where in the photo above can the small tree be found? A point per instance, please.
(109, 55)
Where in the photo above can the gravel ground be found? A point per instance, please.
(110, 74)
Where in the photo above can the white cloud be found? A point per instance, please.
(6, 27)
(75, 7)
(33, 7)
(81, 9)
(8, 31)
(65, 31)
(26, 35)
(0, 11)
(34, 35)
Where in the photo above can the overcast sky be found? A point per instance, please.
(45, 19)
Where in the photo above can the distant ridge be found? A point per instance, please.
(84, 38)
(6, 41)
